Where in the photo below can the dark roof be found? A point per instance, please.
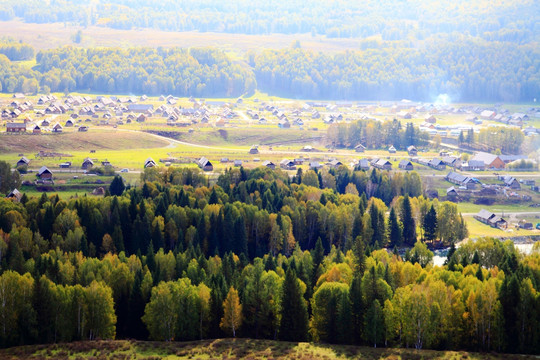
(24, 159)
(43, 170)
(16, 125)
(436, 162)
(485, 214)
(405, 163)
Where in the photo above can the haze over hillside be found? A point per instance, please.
(468, 50)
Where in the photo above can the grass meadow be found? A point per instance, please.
(230, 349)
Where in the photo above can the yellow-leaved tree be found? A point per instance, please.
(232, 313)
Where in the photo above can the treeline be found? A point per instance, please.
(343, 19)
(16, 51)
(180, 72)
(375, 134)
(507, 139)
(249, 213)
(465, 69)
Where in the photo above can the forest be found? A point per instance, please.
(376, 134)
(176, 71)
(490, 20)
(466, 70)
(261, 255)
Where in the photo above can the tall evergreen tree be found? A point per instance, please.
(407, 219)
(294, 316)
(395, 235)
(117, 186)
(430, 225)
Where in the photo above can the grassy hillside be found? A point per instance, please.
(77, 141)
(228, 349)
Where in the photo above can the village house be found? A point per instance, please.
(490, 161)
(452, 161)
(269, 164)
(363, 164)
(437, 164)
(382, 164)
(254, 149)
(412, 151)
(149, 163)
(23, 161)
(489, 218)
(36, 130)
(44, 173)
(87, 163)
(287, 164)
(15, 127)
(65, 165)
(392, 149)
(14, 195)
(460, 180)
(360, 148)
(488, 114)
(205, 164)
(405, 165)
(430, 119)
(452, 194)
(334, 163)
(237, 163)
(83, 129)
(57, 128)
(473, 165)
(284, 124)
(511, 182)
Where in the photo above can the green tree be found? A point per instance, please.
(430, 225)
(294, 316)
(395, 236)
(100, 319)
(409, 224)
(375, 324)
(117, 186)
(9, 180)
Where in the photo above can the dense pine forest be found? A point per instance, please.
(466, 70)
(314, 257)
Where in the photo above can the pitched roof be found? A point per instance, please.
(485, 214)
(42, 170)
(405, 163)
(24, 159)
(485, 157)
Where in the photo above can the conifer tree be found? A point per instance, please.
(395, 233)
(409, 225)
(294, 316)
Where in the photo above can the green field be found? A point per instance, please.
(230, 349)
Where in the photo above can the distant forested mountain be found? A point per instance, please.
(395, 20)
